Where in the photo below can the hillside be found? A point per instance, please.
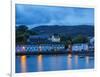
(86, 30)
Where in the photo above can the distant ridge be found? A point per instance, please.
(85, 30)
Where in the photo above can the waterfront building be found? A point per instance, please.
(41, 47)
(54, 38)
(80, 47)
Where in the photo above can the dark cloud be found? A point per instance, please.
(36, 15)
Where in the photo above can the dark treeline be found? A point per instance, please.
(23, 33)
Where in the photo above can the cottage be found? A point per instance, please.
(41, 47)
(91, 44)
(80, 47)
(92, 41)
(54, 38)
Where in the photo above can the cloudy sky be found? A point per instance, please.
(35, 15)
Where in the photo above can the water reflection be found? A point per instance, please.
(52, 63)
(23, 63)
(87, 61)
(69, 61)
(76, 61)
(40, 67)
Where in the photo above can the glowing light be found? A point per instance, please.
(23, 63)
(76, 61)
(69, 61)
(40, 58)
(23, 48)
(69, 55)
(40, 63)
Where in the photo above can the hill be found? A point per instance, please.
(85, 30)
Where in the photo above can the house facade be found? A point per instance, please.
(54, 38)
(80, 47)
(42, 43)
(42, 47)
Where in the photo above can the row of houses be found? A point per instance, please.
(84, 46)
(50, 43)
(42, 47)
(53, 47)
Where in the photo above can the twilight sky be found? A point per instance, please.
(35, 15)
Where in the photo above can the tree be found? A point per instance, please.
(22, 28)
(66, 40)
(21, 34)
(80, 39)
(32, 32)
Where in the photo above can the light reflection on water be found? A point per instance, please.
(87, 61)
(38, 63)
(23, 63)
(76, 61)
(69, 61)
(40, 67)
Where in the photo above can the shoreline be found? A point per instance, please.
(85, 53)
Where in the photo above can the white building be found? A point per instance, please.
(80, 47)
(54, 38)
(92, 40)
(91, 44)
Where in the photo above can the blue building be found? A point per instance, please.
(42, 43)
(41, 47)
